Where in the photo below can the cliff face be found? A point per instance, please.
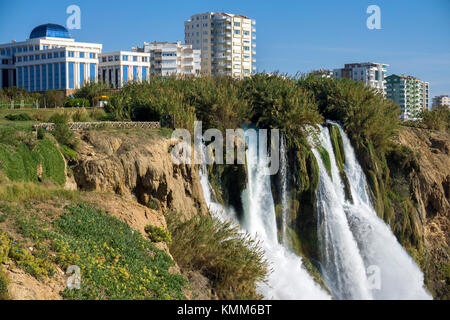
(430, 186)
(138, 166)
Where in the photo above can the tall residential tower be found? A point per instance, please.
(172, 58)
(410, 93)
(370, 73)
(226, 41)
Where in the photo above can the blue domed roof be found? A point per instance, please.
(50, 30)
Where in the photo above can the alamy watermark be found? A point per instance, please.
(74, 20)
(235, 147)
(374, 20)
(74, 281)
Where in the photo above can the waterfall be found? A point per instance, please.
(342, 265)
(400, 277)
(283, 186)
(361, 258)
(288, 279)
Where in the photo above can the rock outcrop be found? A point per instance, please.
(138, 166)
(430, 186)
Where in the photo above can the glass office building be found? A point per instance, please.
(49, 60)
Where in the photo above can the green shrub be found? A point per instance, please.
(41, 133)
(68, 153)
(158, 234)
(80, 115)
(19, 163)
(76, 103)
(232, 261)
(18, 117)
(4, 295)
(324, 155)
(98, 114)
(62, 132)
(438, 119)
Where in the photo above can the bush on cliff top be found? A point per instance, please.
(232, 261)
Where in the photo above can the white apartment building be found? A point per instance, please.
(119, 67)
(49, 59)
(172, 58)
(370, 73)
(439, 101)
(227, 43)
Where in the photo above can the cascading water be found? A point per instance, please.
(283, 185)
(400, 277)
(288, 279)
(354, 240)
(342, 266)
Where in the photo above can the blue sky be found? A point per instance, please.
(292, 36)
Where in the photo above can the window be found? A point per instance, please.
(36, 48)
(237, 32)
(49, 55)
(44, 77)
(31, 78)
(56, 75)
(134, 58)
(237, 24)
(71, 76)
(31, 58)
(50, 76)
(81, 54)
(144, 73)
(103, 59)
(135, 73)
(92, 72)
(38, 77)
(81, 74)
(124, 58)
(246, 48)
(26, 83)
(63, 75)
(25, 49)
(70, 54)
(19, 49)
(246, 33)
(125, 73)
(62, 54)
(25, 58)
(19, 59)
(92, 55)
(20, 75)
(2, 52)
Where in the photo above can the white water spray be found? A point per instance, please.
(388, 271)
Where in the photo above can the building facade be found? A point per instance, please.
(410, 93)
(370, 73)
(227, 43)
(172, 58)
(119, 67)
(49, 60)
(440, 101)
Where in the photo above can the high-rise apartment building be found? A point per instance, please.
(440, 101)
(370, 73)
(410, 93)
(227, 43)
(172, 58)
(49, 60)
(119, 67)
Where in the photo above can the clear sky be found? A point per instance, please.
(292, 36)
